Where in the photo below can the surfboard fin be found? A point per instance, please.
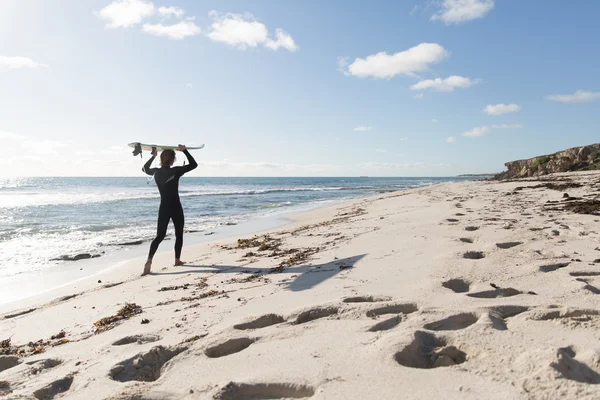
(137, 150)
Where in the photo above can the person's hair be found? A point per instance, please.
(167, 157)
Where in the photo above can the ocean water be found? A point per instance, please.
(42, 219)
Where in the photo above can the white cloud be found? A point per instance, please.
(445, 85)
(451, 139)
(177, 31)
(580, 96)
(458, 11)
(507, 126)
(283, 40)
(19, 62)
(243, 31)
(171, 11)
(499, 109)
(30, 144)
(363, 128)
(10, 136)
(126, 13)
(477, 131)
(407, 62)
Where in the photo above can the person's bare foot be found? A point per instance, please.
(147, 267)
(179, 263)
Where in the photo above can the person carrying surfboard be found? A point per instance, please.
(167, 180)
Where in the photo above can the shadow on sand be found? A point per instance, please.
(304, 277)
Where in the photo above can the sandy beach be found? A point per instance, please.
(470, 290)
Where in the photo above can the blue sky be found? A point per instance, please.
(296, 88)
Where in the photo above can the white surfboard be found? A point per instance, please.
(138, 147)
(160, 147)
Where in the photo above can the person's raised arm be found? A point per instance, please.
(146, 168)
(192, 163)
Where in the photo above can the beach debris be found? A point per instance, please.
(167, 288)
(251, 278)
(5, 388)
(33, 347)
(18, 314)
(299, 257)
(59, 335)
(134, 243)
(200, 285)
(145, 321)
(210, 293)
(77, 257)
(126, 312)
(195, 337)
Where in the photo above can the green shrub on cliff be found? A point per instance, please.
(541, 161)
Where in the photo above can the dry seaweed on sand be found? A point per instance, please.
(591, 207)
(265, 243)
(299, 257)
(340, 218)
(33, 347)
(201, 285)
(204, 295)
(251, 278)
(584, 207)
(126, 312)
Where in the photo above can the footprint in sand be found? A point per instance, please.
(43, 364)
(7, 362)
(139, 339)
(474, 255)
(429, 351)
(570, 317)
(498, 292)
(366, 299)
(453, 323)
(386, 325)
(315, 313)
(239, 391)
(587, 286)
(229, 347)
(261, 322)
(55, 388)
(467, 240)
(553, 267)
(508, 245)
(145, 367)
(570, 368)
(457, 285)
(471, 228)
(499, 314)
(584, 273)
(404, 308)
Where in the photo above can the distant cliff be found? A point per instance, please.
(583, 158)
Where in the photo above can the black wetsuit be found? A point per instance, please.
(167, 180)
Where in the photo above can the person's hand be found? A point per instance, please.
(182, 147)
(154, 152)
